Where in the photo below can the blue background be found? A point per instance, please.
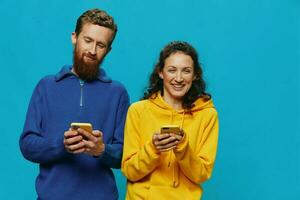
(251, 58)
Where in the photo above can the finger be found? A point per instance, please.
(73, 140)
(155, 137)
(168, 145)
(181, 132)
(97, 133)
(166, 141)
(163, 136)
(168, 149)
(178, 137)
(89, 144)
(87, 135)
(158, 137)
(79, 151)
(77, 146)
(99, 136)
(70, 133)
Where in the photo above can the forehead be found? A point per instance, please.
(179, 59)
(96, 32)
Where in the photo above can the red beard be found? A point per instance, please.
(87, 71)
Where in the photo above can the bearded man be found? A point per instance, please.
(74, 163)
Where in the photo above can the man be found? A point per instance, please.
(76, 164)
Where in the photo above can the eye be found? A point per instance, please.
(187, 71)
(171, 70)
(87, 40)
(101, 46)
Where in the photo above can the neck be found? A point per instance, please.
(174, 103)
(73, 71)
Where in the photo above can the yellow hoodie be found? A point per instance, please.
(175, 174)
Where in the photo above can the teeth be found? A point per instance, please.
(178, 86)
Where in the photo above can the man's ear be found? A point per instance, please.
(74, 38)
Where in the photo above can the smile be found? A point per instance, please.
(178, 87)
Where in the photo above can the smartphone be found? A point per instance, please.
(85, 126)
(170, 129)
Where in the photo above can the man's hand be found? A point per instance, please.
(73, 142)
(93, 143)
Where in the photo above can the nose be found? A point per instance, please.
(92, 49)
(179, 77)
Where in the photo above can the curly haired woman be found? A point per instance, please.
(171, 165)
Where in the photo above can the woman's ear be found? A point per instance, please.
(160, 74)
(196, 76)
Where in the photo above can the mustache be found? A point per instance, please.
(91, 56)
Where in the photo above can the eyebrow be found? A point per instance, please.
(87, 37)
(190, 67)
(100, 42)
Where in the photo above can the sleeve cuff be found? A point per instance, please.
(182, 145)
(58, 144)
(111, 156)
(150, 148)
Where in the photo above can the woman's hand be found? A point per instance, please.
(165, 142)
(179, 136)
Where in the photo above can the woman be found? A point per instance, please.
(170, 165)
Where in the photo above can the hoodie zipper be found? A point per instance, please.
(81, 82)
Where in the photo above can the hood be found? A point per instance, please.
(167, 113)
(199, 104)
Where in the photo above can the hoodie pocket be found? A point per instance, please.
(167, 192)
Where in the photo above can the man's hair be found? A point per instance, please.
(198, 86)
(96, 17)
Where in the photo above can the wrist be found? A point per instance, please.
(101, 149)
(182, 144)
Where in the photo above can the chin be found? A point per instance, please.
(177, 95)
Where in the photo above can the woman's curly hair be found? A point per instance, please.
(198, 85)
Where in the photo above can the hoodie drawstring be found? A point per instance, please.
(175, 173)
(182, 120)
(170, 153)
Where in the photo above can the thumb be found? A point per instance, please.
(97, 133)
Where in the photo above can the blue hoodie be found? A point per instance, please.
(58, 101)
